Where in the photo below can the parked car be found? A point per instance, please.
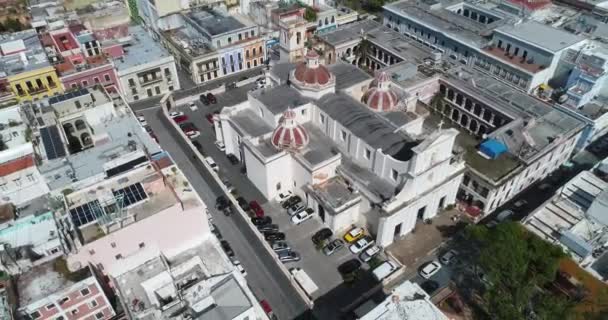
(148, 129)
(274, 236)
(192, 106)
(429, 286)
(256, 208)
(216, 232)
(261, 221)
(211, 98)
(268, 228)
(243, 203)
(221, 202)
(354, 234)
(197, 145)
(174, 114)
(209, 117)
(180, 119)
(333, 247)
(193, 134)
(349, 266)
(204, 99)
(228, 209)
(142, 120)
(266, 307)
(212, 164)
(233, 159)
(428, 269)
(291, 201)
(220, 145)
(504, 215)
(301, 217)
(234, 260)
(384, 270)
(449, 257)
(226, 247)
(284, 196)
(321, 235)
(295, 209)
(280, 246)
(228, 186)
(369, 253)
(241, 269)
(361, 244)
(288, 256)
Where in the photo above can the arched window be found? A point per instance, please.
(450, 94)
(477, 110)
(487, 116)
(473, 125)
(86, 139)
(455, 115)
(68, 128)
(468, 104)
(320, 23)
(442, 89)
(80, 125)
(459, 99)
(333, 19)
(464, 120)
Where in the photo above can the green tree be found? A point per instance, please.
(374, 5)
(2, 28)
(13, 24)
(517, 264)
(362, 51)
(310, 14)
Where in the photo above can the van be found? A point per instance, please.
(384, 270)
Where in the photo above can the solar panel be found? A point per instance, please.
(86, 213)
(52, 142)
(131, 194)
(69, 95)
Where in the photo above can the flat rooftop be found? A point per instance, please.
(278, 98)
(347, 75)
(142, 49)
(594, 109)
(12, 127)
(21, 52)
(349, 32)
(215, 23)
(320, 148)
(335, 193)
(248, 123)
(398, 44)
(540, 35)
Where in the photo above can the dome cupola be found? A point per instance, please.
(289, 135)
(312, 73)
(380, 97)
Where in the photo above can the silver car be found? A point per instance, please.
(333, 247)
(280, 246)
(288, 256)
(295, 209)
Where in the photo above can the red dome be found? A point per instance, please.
(380, 97)
(289, 134)
(311, 72)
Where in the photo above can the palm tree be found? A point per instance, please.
(363, 50)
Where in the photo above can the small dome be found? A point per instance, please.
(311, 72)
(381, 97)
(289, 134)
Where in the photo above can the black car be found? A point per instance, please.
(228, 209)
(273, 236)
(221, 202)
(243, 203)
(227, 248)
(233, 159)
(204, 99)
(197, 145)
(429, 286)
(217, 232)
(321, 235)
(291, 201)
(268, 228)
(349, 266)
(261, 221)
(211, 98)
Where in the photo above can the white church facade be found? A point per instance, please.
(347, 144)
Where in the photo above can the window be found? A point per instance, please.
(135, 98)
(84, 292)
(17, 181)
(252, 33)
(73, 85)
(142, 245)
(78, 105)
(303, 112)
(30, 177)
(368, 154)
(50, 306)
(240, 37)
(343, 135)
(35, 315)
(92, 304)
(322, 118)
(149, 92)
(229, 40)
(441, 202)
(157, 90)
(74, 312)
(64, 300)
(394, 174)
(118, 256)
(85, 83)
(106, 77)
(96, 80)
(170, 88)
(133, 91)
(99, 315)
(91, 252)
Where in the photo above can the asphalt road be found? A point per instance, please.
(264, 276)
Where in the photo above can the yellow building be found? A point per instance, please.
(35, 84)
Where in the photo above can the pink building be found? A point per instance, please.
(48, 291)
(95, 70)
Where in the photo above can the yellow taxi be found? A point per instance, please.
(354, 234)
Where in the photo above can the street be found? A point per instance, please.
(265, 278)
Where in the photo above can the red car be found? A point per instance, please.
(209, 117)
(266, 307)
(180, 119)
(256, 208)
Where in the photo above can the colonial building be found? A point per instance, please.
(350, 147)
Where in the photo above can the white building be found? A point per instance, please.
(353, 162)
(146, 69)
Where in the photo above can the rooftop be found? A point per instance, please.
(215, 23)
(349, 32)
(248, 123)
(142, 49)
(33, 230)
(68, 67)
(320, 148)
(278, 98)
(12, 128)
(399, 45)
(347, 75)
(540, 35)
(335, 193)
(21, 52)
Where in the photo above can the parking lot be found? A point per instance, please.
(322, 269)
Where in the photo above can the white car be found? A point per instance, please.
(220, 145)
(142, 120)
(175, 114)
(212, 164)
(429, 269)
(369, 253)
(193, 106)
(361, 245)
(193, 134)
(241, 269)
(284, 196)
(301, 217)
(295, 209)
(449, 257)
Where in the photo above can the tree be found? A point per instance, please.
(310, 14)
(363, 50)
(2, 28)
(13, 24)
(517, 265)
(373, 5)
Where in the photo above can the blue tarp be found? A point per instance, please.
(493, 148)
(575, 244)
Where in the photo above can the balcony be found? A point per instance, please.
(517, 61)
(32, 91)
(145, 83)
